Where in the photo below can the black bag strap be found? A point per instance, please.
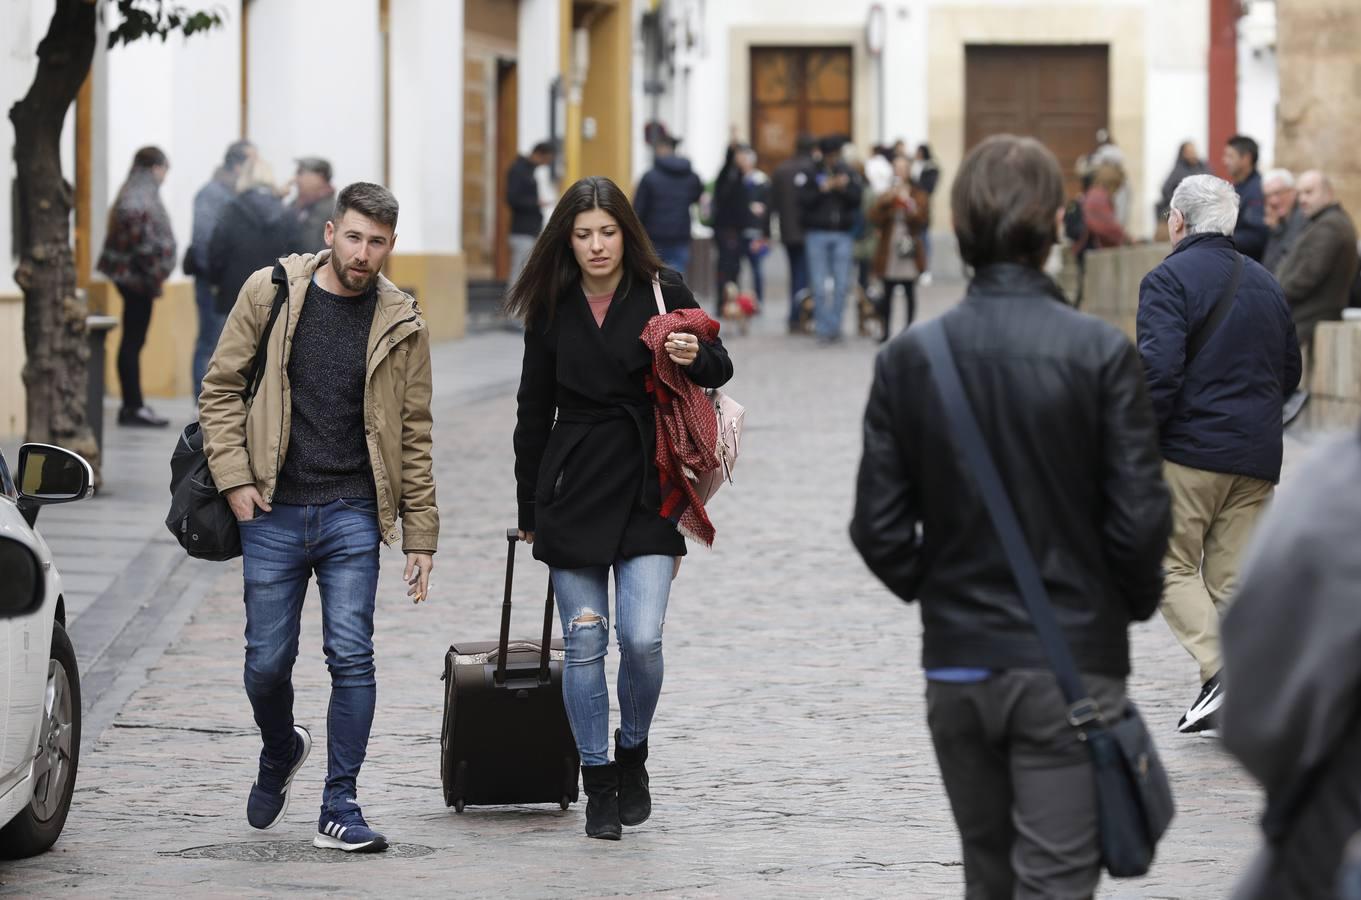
(1197, 341)
(1082, 710)
(257, 365)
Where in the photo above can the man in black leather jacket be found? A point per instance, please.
(1061, 400)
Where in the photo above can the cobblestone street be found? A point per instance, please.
(790, 755)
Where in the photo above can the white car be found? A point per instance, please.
(39, 681)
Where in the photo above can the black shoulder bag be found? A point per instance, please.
(200, 518)
(1134, 798)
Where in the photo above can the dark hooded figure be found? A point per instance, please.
(253, 232)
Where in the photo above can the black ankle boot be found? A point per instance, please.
(635, 800)
(602, 801)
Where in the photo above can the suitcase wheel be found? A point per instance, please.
(458, 806)
(564, 802)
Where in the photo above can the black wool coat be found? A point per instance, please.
(585, 436)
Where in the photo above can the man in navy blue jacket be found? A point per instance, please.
(1251, 231)
(665, 195)
(1218, 411)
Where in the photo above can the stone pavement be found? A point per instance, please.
(790, 753)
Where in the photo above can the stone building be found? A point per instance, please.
(949, 72)
(1320, 114)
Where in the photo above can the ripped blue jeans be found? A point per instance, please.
(642, 586)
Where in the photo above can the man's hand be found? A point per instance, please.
(527, 537)
(417, 575)
(243, 500)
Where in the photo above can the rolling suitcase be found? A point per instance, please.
(506, 738)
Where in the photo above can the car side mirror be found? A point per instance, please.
(49, 474)
(23, 580)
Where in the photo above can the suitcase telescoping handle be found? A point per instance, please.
(503, 647)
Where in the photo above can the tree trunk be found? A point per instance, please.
(55, 374)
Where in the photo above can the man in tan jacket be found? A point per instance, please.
(318, 468)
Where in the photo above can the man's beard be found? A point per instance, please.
(351, 280)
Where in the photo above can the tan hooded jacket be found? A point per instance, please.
(247, 444)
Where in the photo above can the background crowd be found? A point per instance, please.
(243, 220)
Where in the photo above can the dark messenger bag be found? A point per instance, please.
(200, 518)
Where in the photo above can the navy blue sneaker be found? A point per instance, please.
(346, 830)
(268, 797)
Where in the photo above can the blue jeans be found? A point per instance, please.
(675, 254)
(642, 586)
(756, 261)
(829, 256)
(798, 278)
(210, 323)
(281, 549)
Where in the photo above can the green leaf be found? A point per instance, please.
(160, 18)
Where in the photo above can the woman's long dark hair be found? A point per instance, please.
(552, 266)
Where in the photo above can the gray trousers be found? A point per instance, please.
(520, 247)
(1020, 783)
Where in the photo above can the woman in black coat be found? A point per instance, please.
(253, 232)
(587, 484)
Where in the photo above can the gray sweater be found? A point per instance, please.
(327, 455)
(1292, 673)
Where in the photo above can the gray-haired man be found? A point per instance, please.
(1217, 382)
(1317, 274)
(1283, 215)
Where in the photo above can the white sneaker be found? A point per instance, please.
(1203, 714)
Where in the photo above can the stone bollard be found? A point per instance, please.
(1335, 384)
(1110, 286)
(97, 329)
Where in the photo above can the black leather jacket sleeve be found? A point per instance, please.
(1138, 514)
(885, 527)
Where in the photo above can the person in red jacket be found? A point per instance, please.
(1098, 210)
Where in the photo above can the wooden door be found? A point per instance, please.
(798, 90)
(482, 187)
(507, 142)
(1058, 95)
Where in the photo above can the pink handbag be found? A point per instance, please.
(730, 414)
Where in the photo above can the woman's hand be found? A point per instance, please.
(527, 537)
(683, 348)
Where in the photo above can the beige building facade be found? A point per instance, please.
(1320, 113)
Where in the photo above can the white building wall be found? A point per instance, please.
(1259, 96)
(905, 72)
(427, 124)
(183, 96)
(536, 67)
(643, 105)
(1177, 96)
(316, 85)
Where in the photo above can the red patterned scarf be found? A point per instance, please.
(687, 429)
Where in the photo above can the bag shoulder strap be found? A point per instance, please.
(257, 365)
(657, 292)
(1217, 314)
(969, 439)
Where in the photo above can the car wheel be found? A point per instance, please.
(37, 827)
